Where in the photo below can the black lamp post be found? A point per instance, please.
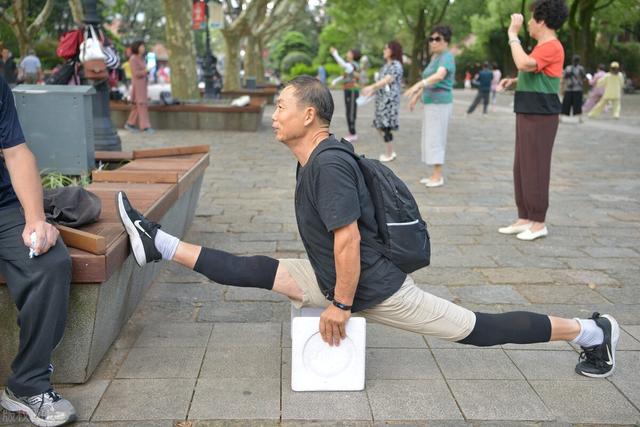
(105, 136)
(209, 63)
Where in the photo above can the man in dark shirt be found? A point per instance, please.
(39, 285)
(343, 275)
(483, 82)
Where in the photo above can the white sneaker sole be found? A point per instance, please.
(136, 244)
(615, 336)
(22, 409)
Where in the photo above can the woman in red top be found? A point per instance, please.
(537, 107)
(139, 97)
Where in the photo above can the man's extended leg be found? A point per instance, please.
(150, 244)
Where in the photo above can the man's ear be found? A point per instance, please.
(309, 115)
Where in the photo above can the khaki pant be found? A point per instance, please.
(410, 308)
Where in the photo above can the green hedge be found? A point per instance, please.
(294, 58)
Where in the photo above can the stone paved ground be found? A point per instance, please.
(214, 355)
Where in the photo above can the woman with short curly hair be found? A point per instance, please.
(537, 109)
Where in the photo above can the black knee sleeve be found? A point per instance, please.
(516, 327)
(388, 136)
(228, 269)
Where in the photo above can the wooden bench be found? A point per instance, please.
(216, 116)
(107, 284)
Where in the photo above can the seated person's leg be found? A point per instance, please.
(39, 288)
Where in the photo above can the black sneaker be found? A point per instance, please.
(141, 231)
(599, 361)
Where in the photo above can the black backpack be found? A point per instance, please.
(402, 232)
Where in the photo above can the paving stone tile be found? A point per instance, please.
(234, 423)
(382, 336)
(627, 375)
(439, 291)
(233, 293)
(544, 346)
(177, 335)
(448, 276)
(627, 276)
(137, 423)
(625, 294)
(351, 405)
(517, 275)
(261, 311)
(256, 362)
(586, 263)
(475, 363)
(246, 248)
(596, 402)
(156, 399)
(110, 364)
(246, 334)
(411, 400)
(611, 252)
(184, 292)
(583, 277)
(633, 330)
(246, 399)
(566, 294)
(498, 400)
(166, 311)
(262, 236)
(84, 397)
(162, 362)
(546, 365)
(490, 294)
(176, 273)
(401, 364)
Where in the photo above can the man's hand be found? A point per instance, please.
(516, 23)
(46, 235)
(333, 325)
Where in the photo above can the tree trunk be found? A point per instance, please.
(232, 61)
(260, 63)
(181, 46)
(76, 11)
(252, 57)
(25, 34)
(418, 46)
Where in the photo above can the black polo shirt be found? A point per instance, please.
(331, 193)
(10, 136)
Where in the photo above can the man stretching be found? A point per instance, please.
(335, 214)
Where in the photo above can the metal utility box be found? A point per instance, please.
(57, 121)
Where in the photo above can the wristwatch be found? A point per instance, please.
(341, 306)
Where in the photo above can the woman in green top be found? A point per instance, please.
(436, 90)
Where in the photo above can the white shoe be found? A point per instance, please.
(431, 183)
(514, 229)
(532, 235)
(385, 158)
(424, 180)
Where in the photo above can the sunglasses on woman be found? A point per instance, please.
(435, 39)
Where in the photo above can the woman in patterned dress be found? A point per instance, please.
(387, 91)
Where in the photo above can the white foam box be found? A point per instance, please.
(317, 366)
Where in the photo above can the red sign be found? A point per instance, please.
(198, 15)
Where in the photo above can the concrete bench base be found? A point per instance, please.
(97, 312)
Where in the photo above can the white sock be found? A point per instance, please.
(166, 244)
(590, 334)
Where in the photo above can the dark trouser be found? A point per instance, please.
(572, 99)
(481, 96)
(39, 288)
(350, 97)
(535, 134)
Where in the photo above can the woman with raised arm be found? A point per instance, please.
(537, 107)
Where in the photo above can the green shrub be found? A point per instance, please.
(57, 180)
(46, 51)
(300, 69)
(293, 58)
(333, 69)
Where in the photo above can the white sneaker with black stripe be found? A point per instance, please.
(141, 231)
(47, 409)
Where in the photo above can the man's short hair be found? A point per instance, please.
(310, 92)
